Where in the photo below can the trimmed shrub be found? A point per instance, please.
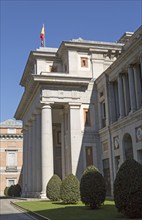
(10, 191)
(14, 190)
(17, 190)
(92, 187)
(70, 190)
(128, 189)
(6, 191)
(53, 188)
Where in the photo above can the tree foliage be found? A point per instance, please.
(92, 187)
(53, 188)
(70, 190)
(128, 189)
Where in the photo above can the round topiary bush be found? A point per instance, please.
(17, 190)
(128, 189)
(53, 188)
(10, 191)
(92, 187)
(70, 190)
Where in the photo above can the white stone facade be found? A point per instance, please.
(82, 105)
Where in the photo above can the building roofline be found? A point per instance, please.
(11, 123)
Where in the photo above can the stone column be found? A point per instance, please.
(132, 88)
(29, 157)
(141, 65)
(138, 89)
(112, 102)
(126, 94)
(38, 154)
(121, 96)
(46, 147)
(33, 177)
(75, 136)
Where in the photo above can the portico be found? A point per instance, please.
(57, 152)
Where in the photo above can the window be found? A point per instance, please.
(101, 94)
(11, 182)
(84, 62)
(11, 161)
(87, 122)
(52, 69)
(103, 114)
(89, 156)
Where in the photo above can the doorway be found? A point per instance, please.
(57, 150)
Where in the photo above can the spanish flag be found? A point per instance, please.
(42, 36)
(42, 33)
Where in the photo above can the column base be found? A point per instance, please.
(121, 117)
(43, 195)
(131, 112)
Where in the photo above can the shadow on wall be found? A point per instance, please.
(90, 149)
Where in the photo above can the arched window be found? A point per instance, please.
(128, 147)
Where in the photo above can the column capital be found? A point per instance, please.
(130, 66)
(47, 105)
(74, 105)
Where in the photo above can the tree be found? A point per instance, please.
(70, 190)
(128, 189)
(92, 187)
(53, 188)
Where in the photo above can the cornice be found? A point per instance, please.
(61, 79)
(11, 136)
(127, 120)
(47, 79)
(132, 52)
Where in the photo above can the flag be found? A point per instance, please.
(42, 36)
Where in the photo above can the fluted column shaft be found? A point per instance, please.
(38, 153)
(132, 88)
(33, 157)
(138, 89)
(126, 94)
(141, 65)
(121, 97)
(46, 147)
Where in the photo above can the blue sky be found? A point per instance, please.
(21, 23)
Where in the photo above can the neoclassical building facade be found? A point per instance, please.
(82, 105)
(11, 154)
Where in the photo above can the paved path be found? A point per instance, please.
(9, 212)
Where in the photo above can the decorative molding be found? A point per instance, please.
(139, 134)
(116, 143)
(11, 136)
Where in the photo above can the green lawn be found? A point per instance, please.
(59, 211)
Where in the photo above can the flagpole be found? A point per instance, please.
(44, 37)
